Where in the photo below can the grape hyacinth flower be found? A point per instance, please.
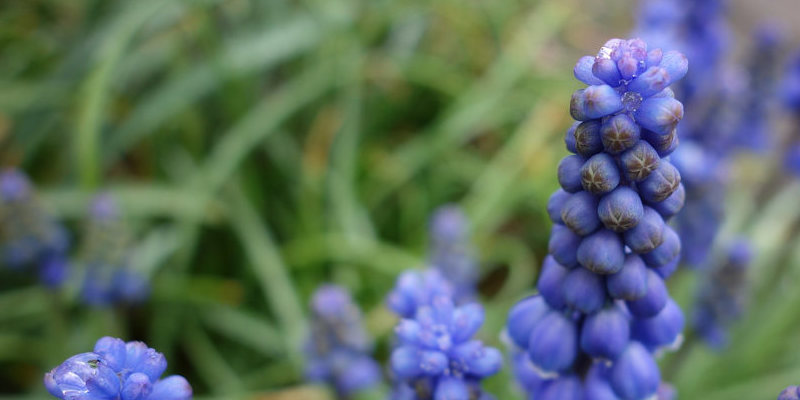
(109, 278)
(603, 311)
(722, 294)
(338, 348)
(436, 357)
(28, 234)
(116, 370)
(451, 253)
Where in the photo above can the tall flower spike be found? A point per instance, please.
(436, 356)
(109, 278)
(28, 233)
(450, 251)
(602, 292)
(116, 370)
(338, 349)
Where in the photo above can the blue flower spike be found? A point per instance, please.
(338, 349)
(603, 312)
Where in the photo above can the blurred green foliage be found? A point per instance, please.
(260, 148)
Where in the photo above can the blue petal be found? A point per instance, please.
(174, 387)
(523, 317)
(450, 388)
(553, 343)
(659, 114)
(583, 71)
(136, 387)
(635, 374)
(551, 282)
(584, 290)
(676, 65)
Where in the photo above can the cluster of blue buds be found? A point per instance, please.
(28, 234)
(451, 252)
(436, 357)
(790, 393)
(603, 310)
(109, 278)
(722, 294)
(338, 349)
(116, 370)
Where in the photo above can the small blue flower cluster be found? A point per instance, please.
(722, 294)
(28, 234)
(338, 348)
(109, 279)
(790, 393)
(603, 307)
(116, 370)
(451, 253)
(436, 357)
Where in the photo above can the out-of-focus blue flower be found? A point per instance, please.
(602, 298)
(790, 84)
(116, 370)
(108, 277)
(436, 355)
(790, 96)
(28, 234)
(338, 349)
(757, 100)
(792, 160)
(790, 393)
(722, 294)
(451, 252)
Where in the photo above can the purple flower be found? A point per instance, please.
(109, 278)
(436, 349)
(602, 296)
(338, 348)
(116, 370)
(30, 235)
